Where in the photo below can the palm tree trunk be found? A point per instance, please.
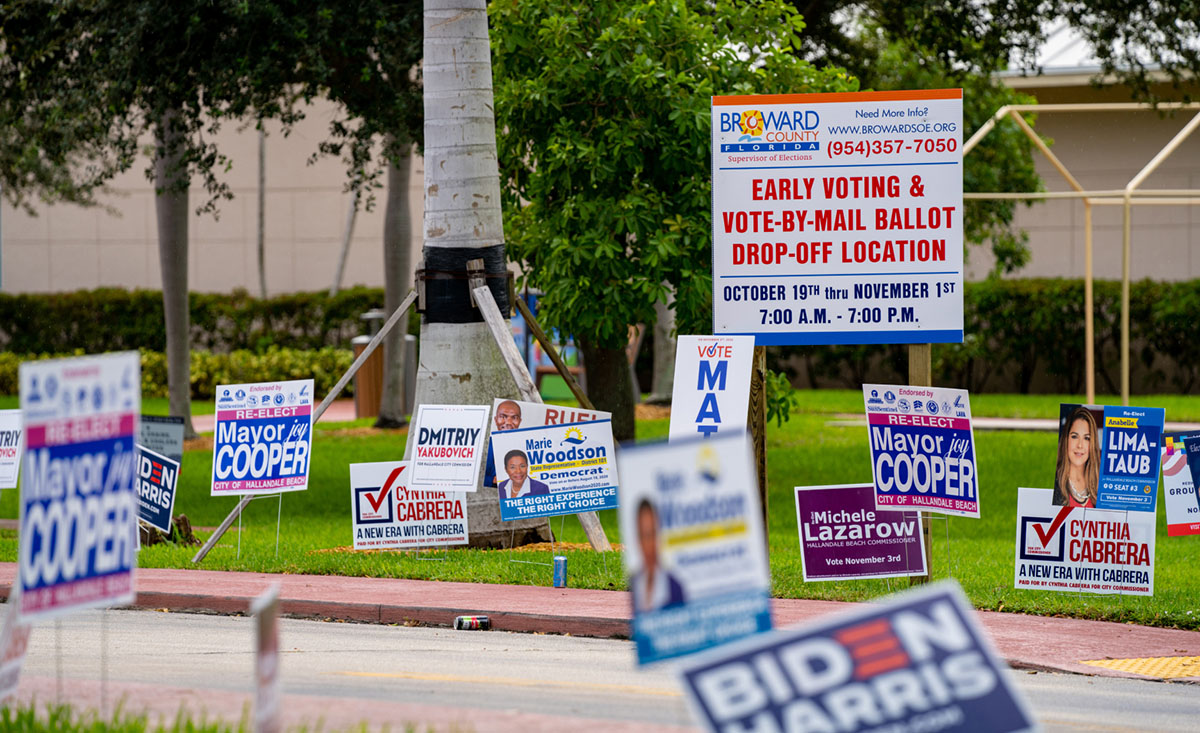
(171, 207)
(460, 363)
(397, 281)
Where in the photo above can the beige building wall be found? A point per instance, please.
(67, 247)
(1104, 151)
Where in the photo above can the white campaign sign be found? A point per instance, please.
(712, 385)
(837, 218)
(387, 515)
(12, 446)
(448, 447)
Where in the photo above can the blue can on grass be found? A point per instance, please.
(560, 571)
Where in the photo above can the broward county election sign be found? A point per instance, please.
(699, 575)
(837, 218)
(386, 515)
(915, 662)
(78, 526)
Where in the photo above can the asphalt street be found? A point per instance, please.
(342, 674)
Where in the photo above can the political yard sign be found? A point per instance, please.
(922, 449)
(843, 536)
(264, 438)
(157, 478)
(12, 445)
(448, 450)
(1075, 549)
(712, 385)
(387, 515)
(918, 661)
(78, 525)
(1179, 487)
(695, 550)
(555, 469)
(1129, 467)
(512, 414)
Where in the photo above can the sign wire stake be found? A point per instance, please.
(103, 662)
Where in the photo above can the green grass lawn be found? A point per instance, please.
(804, 451)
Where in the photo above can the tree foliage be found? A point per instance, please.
(603, 119)
(82, 80)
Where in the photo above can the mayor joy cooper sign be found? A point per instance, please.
(838, 218)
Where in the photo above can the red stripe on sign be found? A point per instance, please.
(899, 660)
(80, 430)
(925, 421)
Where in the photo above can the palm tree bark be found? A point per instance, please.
(171, 208)
(397, 281)
(460, 362)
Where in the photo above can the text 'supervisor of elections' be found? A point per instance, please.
(837, 218)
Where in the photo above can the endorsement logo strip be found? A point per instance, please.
(78, 507)
(917, 661)
(1063, 548)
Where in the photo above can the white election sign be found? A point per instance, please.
(448, 448)
(387, 515)
(719, 367)
(837, 218)
(12, 445)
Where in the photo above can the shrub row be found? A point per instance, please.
(112, 319)
(1023, 335)
(325, 366)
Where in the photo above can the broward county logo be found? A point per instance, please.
(751, 124)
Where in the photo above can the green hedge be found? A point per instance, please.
(1017, 330)
(325, 366)
(112, 319)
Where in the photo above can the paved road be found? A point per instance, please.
(483, 681)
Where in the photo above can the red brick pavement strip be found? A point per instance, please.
(1036, 642)
(164, 701)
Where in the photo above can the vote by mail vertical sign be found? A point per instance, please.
(264, 437)
(78, 506)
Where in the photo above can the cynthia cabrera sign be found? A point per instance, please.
(699, 575)
(264, 438)
(918, 662)
(388, 515)
(78, 526)
(555, 469)
(1088, 550)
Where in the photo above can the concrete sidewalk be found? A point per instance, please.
(1032, 642)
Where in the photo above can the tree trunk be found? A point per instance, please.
(609, 386)
(262, 210)
(397, 281)
(664, 352)
(171, 207)
(460, 363)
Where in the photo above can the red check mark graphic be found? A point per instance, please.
(1058, 522)
(387, 487)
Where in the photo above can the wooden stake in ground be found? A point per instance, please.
(920, 374)
(508, 350)
(756, 423)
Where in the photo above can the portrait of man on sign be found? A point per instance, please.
(652, 586)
